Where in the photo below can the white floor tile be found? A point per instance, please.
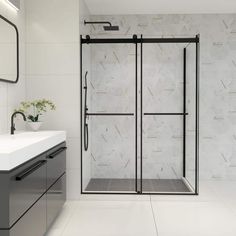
(54, 232)
(212, 213)
(194, 218)
(62, 219)
(114, 197)
(111, 218)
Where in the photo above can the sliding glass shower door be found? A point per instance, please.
(139, 115)
(109, 164)
(168, 114)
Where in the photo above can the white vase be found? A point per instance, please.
(35, 125)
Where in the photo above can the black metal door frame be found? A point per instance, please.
(87, 114)
(135, 40)
(195, 40)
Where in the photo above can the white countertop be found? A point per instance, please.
(19, 148)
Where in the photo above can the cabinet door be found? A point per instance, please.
(27, 185)
(56, 197)
(33, 223)
(56, 163)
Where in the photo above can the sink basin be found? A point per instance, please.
(19, 148)
(8, 143)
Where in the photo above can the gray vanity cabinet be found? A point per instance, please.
(56, 197)
(56, 163)
(56, 181)
(33, 223)
(32, 195)
(27, 185)
(20, 189)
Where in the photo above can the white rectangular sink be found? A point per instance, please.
(19, 148)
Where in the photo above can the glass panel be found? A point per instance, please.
(191, 118)
(109, 162)
(163, 135)
(163, 77)
(163, 154)
(86, 158)
(111, 154)
(113, 78)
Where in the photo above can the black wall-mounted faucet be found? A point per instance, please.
(12, 120)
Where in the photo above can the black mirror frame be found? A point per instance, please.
(17, 52)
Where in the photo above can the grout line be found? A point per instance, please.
(153, 215)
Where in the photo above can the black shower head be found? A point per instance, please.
(111, 28)
(108, 27)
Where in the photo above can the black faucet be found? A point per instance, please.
(12, 120)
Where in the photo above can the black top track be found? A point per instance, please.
(135, 39)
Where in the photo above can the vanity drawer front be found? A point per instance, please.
(56, 163)
(27, 185)
(56, 197)
(33, 223)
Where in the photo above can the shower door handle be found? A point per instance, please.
(86, 137)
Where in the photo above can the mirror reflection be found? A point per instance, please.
(9, 63)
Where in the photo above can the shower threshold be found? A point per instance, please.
(128, 185)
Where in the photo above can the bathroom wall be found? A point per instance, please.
(218, 91)
(11, 94)
(84, 30)
(52, 72)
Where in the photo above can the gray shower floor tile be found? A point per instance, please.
(128, 185)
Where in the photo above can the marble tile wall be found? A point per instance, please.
(112, 80)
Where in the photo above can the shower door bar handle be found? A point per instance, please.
(165, 114)
(110, 114)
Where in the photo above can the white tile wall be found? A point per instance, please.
(52, 56)
(12, 94)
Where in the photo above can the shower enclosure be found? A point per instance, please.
(139, 115)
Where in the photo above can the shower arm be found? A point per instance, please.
(107, 26)
(98, 23)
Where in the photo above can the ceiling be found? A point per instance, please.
(123, 7)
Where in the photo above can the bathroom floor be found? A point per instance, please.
(149, 185)
(212, 213)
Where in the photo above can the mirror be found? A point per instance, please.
(9, 51)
